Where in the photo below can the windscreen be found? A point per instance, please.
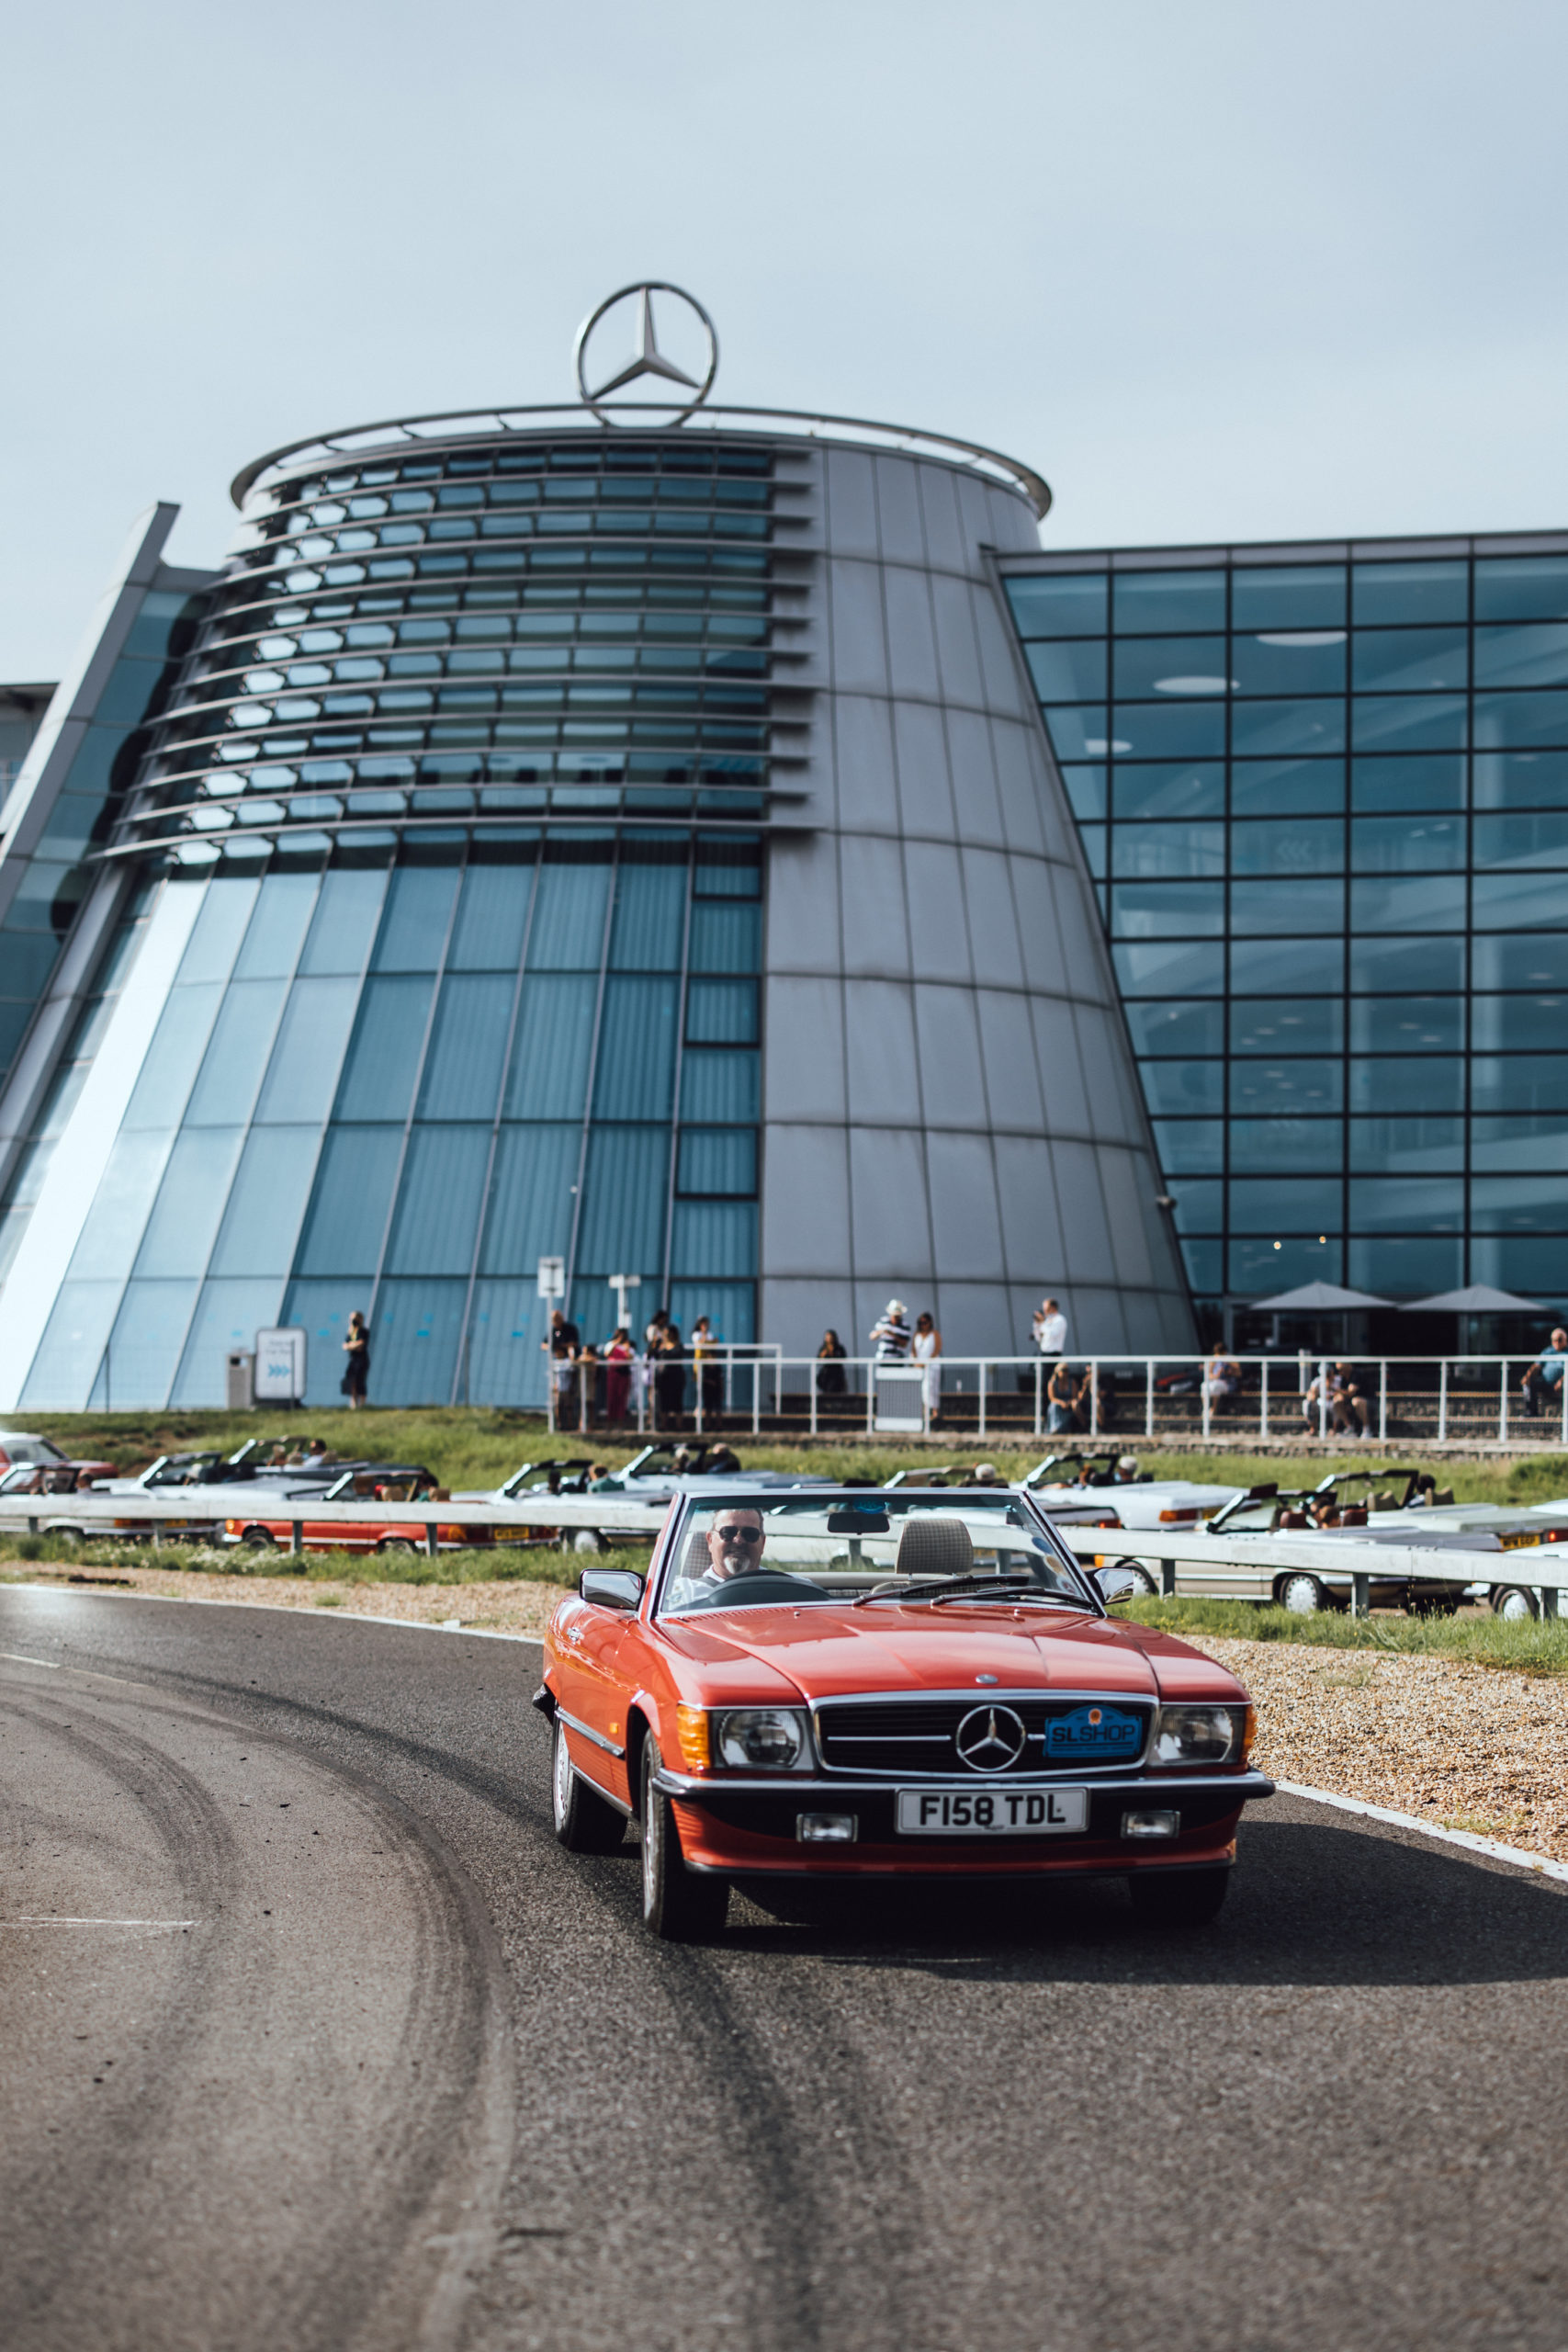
(764, 1551)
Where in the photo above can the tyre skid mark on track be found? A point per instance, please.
(462, 2090)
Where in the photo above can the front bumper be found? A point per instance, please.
(747, 1828)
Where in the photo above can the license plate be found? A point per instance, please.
(991, 1813)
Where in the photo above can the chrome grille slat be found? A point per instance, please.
(901, 1736)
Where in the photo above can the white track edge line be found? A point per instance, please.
(1489, 1847)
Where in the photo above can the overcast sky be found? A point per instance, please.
(1226, 268)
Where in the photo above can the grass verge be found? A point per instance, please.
(1524, 1645)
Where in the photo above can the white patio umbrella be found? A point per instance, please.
(1475, 1298)
(1320, 1299)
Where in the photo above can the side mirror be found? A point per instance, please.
(1116, 1584)
(611, 1588)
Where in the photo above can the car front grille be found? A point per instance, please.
(900, 1738)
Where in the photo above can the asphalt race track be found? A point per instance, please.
(376, 2065)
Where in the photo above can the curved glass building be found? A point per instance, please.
(548, 837)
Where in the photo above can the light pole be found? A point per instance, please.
(620, 1284)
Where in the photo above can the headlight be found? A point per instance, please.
(1198, 1735)
(761, 1739)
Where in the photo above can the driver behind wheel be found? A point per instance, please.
(734, 1547)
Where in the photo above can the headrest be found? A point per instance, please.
(930, 1545)
(697, 1558)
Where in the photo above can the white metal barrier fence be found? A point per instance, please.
(1418, 1399)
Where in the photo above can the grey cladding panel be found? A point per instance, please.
(805, 1224)
(958, 653)
(965, 1224)
(862, 739)
(859, 656)
(898, 511)
(879, 1038)
(851, 502)
(875, 936)
(937, 924)
(974, 779)
(1032, 1227)
(1083, 1228)
(1061, 1074)
(911, 641)
(887, 1191)
(944, 537)
(803, 905)
(804, 1067)
(993, 924)
(1044, 959)
(1124, 1207)
(1017, 784)
(951, 1073)
(1007, 1047)
(998, 664)
(925, 792)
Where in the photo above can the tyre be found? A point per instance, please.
(585, 1823)
(256, 1539)
(1512, 1602)
(1147, 1583)
(1303, 1595)
(1179, 1898)
(397, 1543)
(680, 1906)
(588, 1539)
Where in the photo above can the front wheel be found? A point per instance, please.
(256, 1539)
(1146, 1583)
(396, 1544)
(1304, 1596)
(1179, 1898)
(1513, 1602)
(681, 1905)
(585, 1823)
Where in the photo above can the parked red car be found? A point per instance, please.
(24, 1446)
(909, 1684)
(269, 1524)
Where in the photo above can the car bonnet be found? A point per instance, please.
(828, 1652)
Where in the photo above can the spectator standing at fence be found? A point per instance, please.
(891, 1334)
(1544, 1377)
(563, 1343)
(830, 1379)
(708, 1366)
(926, 1350)
(669, 1376)
(617, 1355)
(357, 1370)
(1096, 1400)
(1050, 1329)
(1061, 1399)
(1221, 1377)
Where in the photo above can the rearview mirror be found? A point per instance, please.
(1116, 1584)
(611, 1588)
(869, 1522)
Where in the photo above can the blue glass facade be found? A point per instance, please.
(1324, 797)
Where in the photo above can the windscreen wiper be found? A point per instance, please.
(952, 1589)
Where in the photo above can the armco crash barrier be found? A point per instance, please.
(168, 1516)
(1244, 1567)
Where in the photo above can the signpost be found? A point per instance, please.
(552, 1278)
(280, 1366)
(620, 1284)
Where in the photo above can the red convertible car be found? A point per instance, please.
(849, 1684)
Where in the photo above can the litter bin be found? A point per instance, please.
(239, 1384)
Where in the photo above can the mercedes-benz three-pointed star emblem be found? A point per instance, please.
(647, 359)
(989, 1739)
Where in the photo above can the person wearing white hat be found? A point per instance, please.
(891, 1334)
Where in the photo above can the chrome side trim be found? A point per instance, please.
(585, 1731)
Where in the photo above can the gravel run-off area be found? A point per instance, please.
(1465, 1746)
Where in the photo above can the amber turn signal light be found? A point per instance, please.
(692, 1737)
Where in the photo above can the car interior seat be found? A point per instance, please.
(933, 1545)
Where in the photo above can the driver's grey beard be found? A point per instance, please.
(736, 1560)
